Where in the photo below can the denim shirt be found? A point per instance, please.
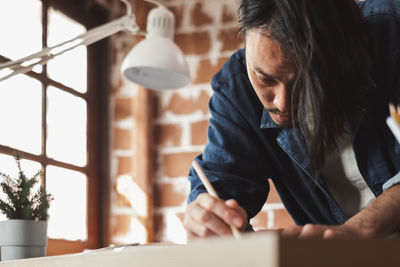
(245, 147)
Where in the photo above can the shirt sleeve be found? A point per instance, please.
(233, 157)
(391, 182)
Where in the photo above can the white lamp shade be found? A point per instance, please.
(156, 63)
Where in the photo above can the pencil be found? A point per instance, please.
(393, 121)
(394, 112)
(210, 189)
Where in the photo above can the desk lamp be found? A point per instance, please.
(155, 62)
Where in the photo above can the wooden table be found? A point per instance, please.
(267, 250)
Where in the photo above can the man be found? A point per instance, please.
(305, 105)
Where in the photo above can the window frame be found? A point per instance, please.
(90, 15)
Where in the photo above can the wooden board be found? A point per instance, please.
(253, 250)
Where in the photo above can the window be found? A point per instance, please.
(52, 115)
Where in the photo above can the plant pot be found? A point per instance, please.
(20, 239)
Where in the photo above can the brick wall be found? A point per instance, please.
(206, 31)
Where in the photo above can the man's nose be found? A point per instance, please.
(281, 100)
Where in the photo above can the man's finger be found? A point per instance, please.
(312, 231)
(337, 233)
(292, 231)
(229, 215)
(210, 221)
(193, 228)
(232, 203)
(190, 235)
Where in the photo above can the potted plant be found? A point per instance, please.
(24, 235)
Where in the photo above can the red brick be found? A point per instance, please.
(122, 139)
(199, 132)
(157, 106)
(273, 196)
(195, 43)
(126, 45)
(283, 219)
(122, 224)
(175, 165)
(180, 105)
(123, 45)
(199, 17)
(122, 201)
(231, 40)
(228, 15)
(168, 195)
(141, 10)
(125, 165)
(123, 108)
(117, 87)
(178, 13)
(260, 220)
(206, 70)
(168, 135)
(137, 39)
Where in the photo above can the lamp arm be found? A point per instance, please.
(23, 65)
(24, 69)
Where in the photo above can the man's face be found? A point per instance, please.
(272, 75)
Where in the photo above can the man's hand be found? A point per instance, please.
(379, 219)
(208, 216)
(320, 231)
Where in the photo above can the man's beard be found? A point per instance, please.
(276, 111)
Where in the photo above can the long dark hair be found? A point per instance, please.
(328, 43)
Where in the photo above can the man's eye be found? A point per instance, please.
(267, 81)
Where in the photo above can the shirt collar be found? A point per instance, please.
(266, 121)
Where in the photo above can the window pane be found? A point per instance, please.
(69, 68)
(8, 166)
(66, 126)
(67, 213)
(21, 113)
(21, 29)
